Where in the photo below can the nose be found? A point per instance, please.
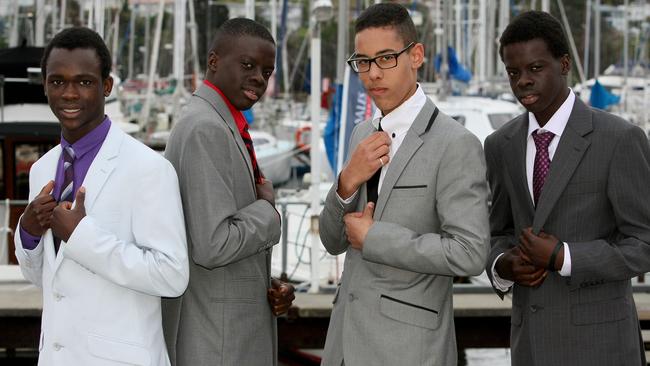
(257, 76)
(70, 91)
(525, 80)
(375, 72)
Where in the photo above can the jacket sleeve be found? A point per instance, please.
(220, 233)
(331, 225)
(501, 221)
(626, 253)
(31, 261)
(155, 262)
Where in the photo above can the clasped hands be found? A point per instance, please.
(45, 213)
(527, 263)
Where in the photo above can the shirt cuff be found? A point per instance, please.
(499, 283)
(347, 200)
(29, 241)
(565, 271)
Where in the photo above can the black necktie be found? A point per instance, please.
(373, 183)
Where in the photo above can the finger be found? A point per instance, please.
(65, 205)
(369, 210)
(47, 189)
(46, 207)
(539, 280)
(528, 234)
(80, 197)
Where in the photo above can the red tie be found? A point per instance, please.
(542, 161)
(246, 136)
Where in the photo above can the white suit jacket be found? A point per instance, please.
(101, 292)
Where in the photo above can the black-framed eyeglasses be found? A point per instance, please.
(385, 61)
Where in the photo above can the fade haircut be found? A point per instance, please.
(79, 37)
(536, 24)
(388, 15)
(238, 27)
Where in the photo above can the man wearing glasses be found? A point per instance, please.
(409, 210)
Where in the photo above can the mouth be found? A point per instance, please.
(252, 95)
(377, 91)
(70, 112)
(528, 99)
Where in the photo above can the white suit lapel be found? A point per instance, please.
(99, 171)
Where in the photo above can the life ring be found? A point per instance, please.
(301, 144)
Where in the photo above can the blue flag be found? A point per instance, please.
(601, 98)
(456, 69)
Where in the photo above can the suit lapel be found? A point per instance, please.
(407, 149)
(221, 108)
(568, 155)
(515, 148)
(98, 172)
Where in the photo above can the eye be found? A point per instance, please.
(536, 68)
(56, 82)
(85, 82)
(247, 65)
(512, 73)
(387, 58)
(363, 62)
(267, 74)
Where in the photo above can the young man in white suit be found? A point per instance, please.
(409, 209)
(570, 211)
(104, 260)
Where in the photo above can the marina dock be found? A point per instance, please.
(482, 320)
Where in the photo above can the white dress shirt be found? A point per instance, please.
(556, 125)
(395, 124)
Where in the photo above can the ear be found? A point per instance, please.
(213, 60)
(108, 86)
(565, 62)
(417, 55)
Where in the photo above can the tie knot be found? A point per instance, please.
(542, 140)
(68, 154)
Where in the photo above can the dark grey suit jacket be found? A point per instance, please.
(223, 318)
(597, 199)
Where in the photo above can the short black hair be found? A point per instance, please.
(238, 27)
(79, 37)
(536, 24)
(388, 15)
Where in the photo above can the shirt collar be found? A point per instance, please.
(558, 121)
(237, 115)
(401, 118)
(90, 140)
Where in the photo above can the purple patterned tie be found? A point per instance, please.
(542, 161)
(67, 188)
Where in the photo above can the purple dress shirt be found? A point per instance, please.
(85, 151)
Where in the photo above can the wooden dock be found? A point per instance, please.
(482, 320)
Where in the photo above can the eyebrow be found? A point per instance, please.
(379, 53)
(78, 76)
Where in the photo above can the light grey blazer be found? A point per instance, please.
(596, 199)
(224, 317)
(394, 303)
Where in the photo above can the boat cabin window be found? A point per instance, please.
(26, 154)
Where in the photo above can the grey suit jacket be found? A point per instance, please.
(595, 199)
(394, 302)
(223, 318)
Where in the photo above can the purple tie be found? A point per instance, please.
(67, 191)
(542, 161)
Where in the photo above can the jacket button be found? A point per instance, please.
(57, 297)
(351, 297)
(57, 346)
(533, 308)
